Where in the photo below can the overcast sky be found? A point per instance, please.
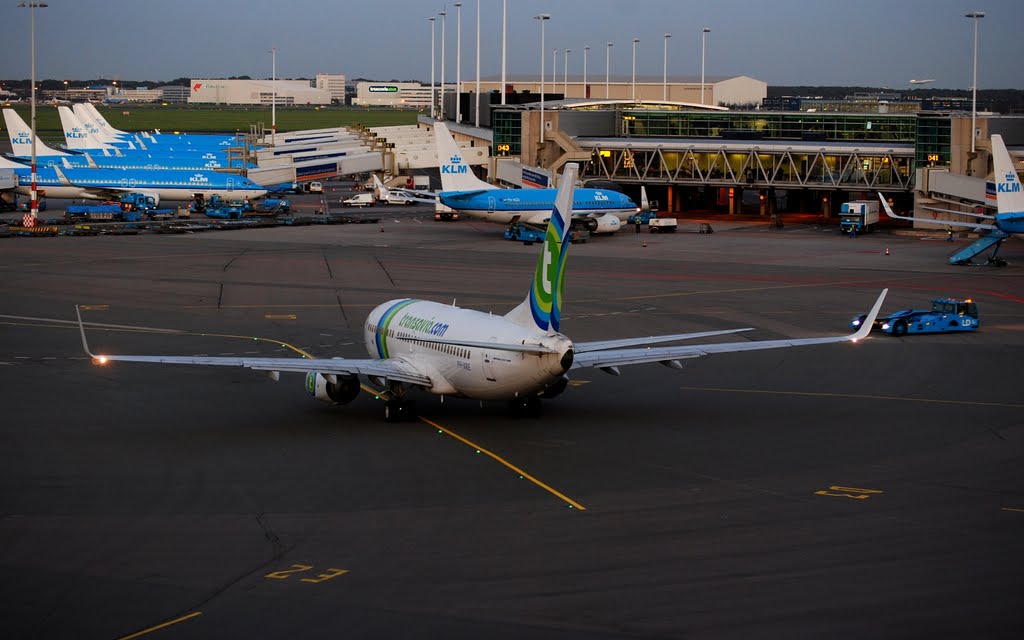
(882, 43)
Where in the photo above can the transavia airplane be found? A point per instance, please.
(1008, 221)
(107, 184)
(602, 210)
(448, 351)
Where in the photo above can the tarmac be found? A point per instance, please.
(843, 491)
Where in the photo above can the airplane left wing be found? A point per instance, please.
(391, 369)
(610, 359)
(952, 223)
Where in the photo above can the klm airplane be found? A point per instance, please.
(96, 123)
(600, 210)
(86, 152)
(1008, 220)
(108, 184)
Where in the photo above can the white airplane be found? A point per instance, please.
(449, 351)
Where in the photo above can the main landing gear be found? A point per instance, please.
(397, 410)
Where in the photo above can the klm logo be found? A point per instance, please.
(23, 138)
(1010, 184)
(456, 166)
(199, 178)
(75, 133)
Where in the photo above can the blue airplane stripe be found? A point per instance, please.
(382, 325)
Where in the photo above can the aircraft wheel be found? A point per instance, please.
(900, 328)
(392, 411)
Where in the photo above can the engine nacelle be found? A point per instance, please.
(608, 223)
(555, 388)
(343, 391)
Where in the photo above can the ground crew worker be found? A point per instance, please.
(949, 233)
(636, 224)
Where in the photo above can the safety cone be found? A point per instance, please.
(382, 228)
(887, 251)
(644, 243)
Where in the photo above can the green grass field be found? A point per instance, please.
(193, 119)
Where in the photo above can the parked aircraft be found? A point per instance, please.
(1008, 221)
(600, 210)
(445, 350)
(46, 181)
(91, 117)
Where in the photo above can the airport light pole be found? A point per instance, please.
(458, 62)
(565, 74)
(476, 118)
(704, 32)
(433, 84)
(974, 15)
(635, 42)
(554, 70)
(441, 105)
(504, 34)
(30, 220)
(542, 18)
(66, 94)
(607, 64)
(586, 53)
(664, 70)
(273, 96)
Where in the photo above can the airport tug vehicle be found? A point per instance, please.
(946, 314)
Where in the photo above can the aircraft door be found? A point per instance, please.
(490, 204)
(124, 182)
(487, 358)
(231, 184)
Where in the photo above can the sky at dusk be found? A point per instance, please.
(880, 43)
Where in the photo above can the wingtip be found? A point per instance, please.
(81, 330)
(869, 321)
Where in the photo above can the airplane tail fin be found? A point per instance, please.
(1009, 195)
(455, 172)
(101, 122)
(382, 191)
(542, 307)
(21, 137)
(645, 204)
(76, 136)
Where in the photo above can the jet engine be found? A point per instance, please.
(555, 388)
(608, 223)
(342, 391)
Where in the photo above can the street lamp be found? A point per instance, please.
(441, 101)
(607, 60)
(586, 52)
(635, 42)
(974, 15)
(458, 62)
(33, 200)
(565, 73)
(504, 32)
(704, 32)
(554, 70)
(476, 118)
(433, 84)
(273, 96)
(542, 18)
(664, 70)
(66, 91)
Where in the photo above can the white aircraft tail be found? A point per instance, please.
(382, 191)
(1009, 195)
(645, 204)
(21, 137)
(101, 122)
(542, 307)
(76, 134)
(455, 172)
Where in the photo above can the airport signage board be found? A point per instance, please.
(382, 88)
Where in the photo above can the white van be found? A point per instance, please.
(315, 187)
(360, 200)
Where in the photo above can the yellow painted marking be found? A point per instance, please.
(279, 316)
(859, 397)
(94, 307)
(1012, 509)
(161, 626)
(283, 574)
(506, 463)
(323, 577)
(853, 493)
(578, 383)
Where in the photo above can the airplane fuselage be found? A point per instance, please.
(508, 205)
(404, 329)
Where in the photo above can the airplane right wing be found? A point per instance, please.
(610, 359)
(951, 223)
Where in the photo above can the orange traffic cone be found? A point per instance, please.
(644, 243)
(887, 251)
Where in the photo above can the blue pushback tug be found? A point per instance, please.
(946, 314)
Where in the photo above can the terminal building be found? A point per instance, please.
(400, 95)
(257, 92)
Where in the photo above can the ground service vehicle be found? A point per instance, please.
(524, 233)
(314, 187)
(662, 225)
(859, 215)
(272, 206)
(360, 200)
(946, 314)
(644, 217)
